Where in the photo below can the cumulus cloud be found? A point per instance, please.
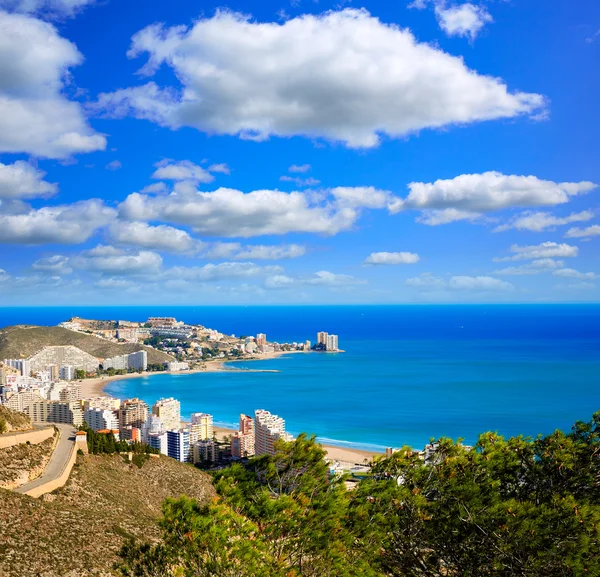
(160, 237)
(534, 267)
(112, 260)
(56, 265)
(469, 196)
(46, 8)
(587, 232)
(35, 116)
(460, 283)
(64, 224)
(222, 168)
(343, 76)
(228, 212)
(540, 251)
(457, 19)
(572, 273)
(377, 258)
(300, 182)
(183, 170)
(540, 221)
(22, 180)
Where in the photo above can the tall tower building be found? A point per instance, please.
(322, 338)
(268, 429)
(261, 339)
(243, 441)
(332, 343)
(169, 413)
(201, 427)
(133, 412)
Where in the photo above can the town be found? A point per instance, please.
(49, 387)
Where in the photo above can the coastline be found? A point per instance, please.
(95, 388)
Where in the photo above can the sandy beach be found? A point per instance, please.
(341, 454)
(95, 388)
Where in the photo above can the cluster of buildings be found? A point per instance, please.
(327, 342)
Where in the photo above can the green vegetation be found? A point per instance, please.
(506, 507)
(23, 341)
(105, 443)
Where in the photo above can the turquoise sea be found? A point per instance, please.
(409, 373)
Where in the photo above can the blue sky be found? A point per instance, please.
(182, 152)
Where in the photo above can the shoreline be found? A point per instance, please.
(347, 455)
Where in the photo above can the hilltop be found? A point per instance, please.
(22, 341)
(12, 421)
(77, 531)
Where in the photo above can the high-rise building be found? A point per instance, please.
(268, 429)
(322, 338)
(133, 412)
(202, 424)
(137, 361)
(205, 452)
(307, 345)
(55, 412)
(158, 441)
(54, 372)
(101, 419)
(331, 343)
(23, 366)
(178, 444)
(261, 339)
(169, 412)
(67, 373)
(242, 442)
(63, 356)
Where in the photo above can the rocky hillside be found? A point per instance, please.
(12, 421)
(23, 341)
(23, 463)
(77, 531)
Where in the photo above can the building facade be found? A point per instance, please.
(63, 356)
(268, 429)
(169, 413)
(178, 445)
(55, 412)
(101, 419)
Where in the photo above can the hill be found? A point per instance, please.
(13, 421)
(22, 341)
(77, 531)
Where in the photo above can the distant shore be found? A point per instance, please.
(95, 388)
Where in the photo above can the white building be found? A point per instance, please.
(101, 419)
(268, 429)
(178, 444)
(137, 361)
(23, 366)
(332, 343)
(67, 373)
(176, 366)
(169, 413)
(158, 441)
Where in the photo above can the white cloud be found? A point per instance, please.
(460, 283)
(65, 224)
(376, 258)
(540, 221)
(343, 76)
(587, 232)
(479, 283)
(237, 251)
(182, 170)
(57, 265)
(22, 180)
(544, 250)
(160, 237)
(115, 283)
(111, 260)
(35, 117)
(538, 266)
(114, 165)
(471, 195)
(321, 279)
(462, 19)
(228, 212)
(300, 182)
(222, 168)
(222, 271)
(46, 8)
(572, 273)
(299, 168)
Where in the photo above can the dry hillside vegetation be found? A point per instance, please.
(77, 531)
(13, 421)
(23, 463)
(23, 341)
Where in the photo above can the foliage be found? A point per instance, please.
(105, 443)
(505, 507)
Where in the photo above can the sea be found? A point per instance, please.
(408, 374)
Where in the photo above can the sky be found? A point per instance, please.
(299, 152)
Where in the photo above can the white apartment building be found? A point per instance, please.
(176, 366)
(178, 445)
(23, 366)
(101, 419)
(169, 413)
(63, 356)
(268, 429)
(137, 361)
(55, 412)
(332, 343)
(67, 373)
(108, 403)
